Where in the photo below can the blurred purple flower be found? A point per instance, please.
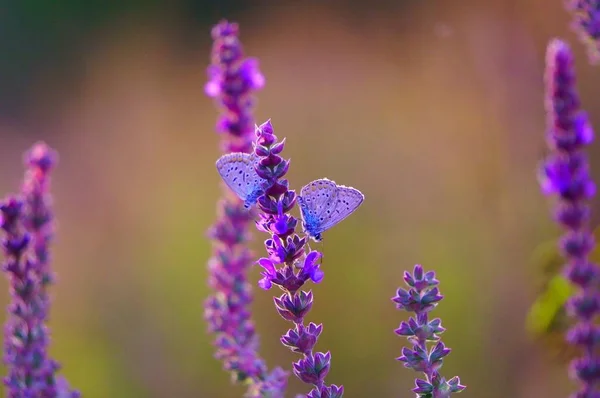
(233, 79)
(63, 390)
(28, 227)
(290, 264)
(586, 23)
(423, 296)
(566, 175)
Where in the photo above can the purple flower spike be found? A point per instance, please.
(586, 23)
(28, 227)
(38, 215)
(565, 175)
(290, 263)
(233, 79)
(423, 296)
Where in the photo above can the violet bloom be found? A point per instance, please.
(27, 223)
(586, 23)
(38, 217)
(423, 296)
(566, 175)
(233, 79)
(290, 265)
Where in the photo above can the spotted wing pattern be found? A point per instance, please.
(238, 171)
(323, 204)
(348, 199)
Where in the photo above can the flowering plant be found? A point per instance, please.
(257, 192)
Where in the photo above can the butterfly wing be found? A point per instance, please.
(346, 201)
(238, 171)
(315, 198)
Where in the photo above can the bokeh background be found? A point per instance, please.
(433, 108)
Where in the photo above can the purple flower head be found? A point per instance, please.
(233, 80)
(421, 329)
(331, 391)
(282, 225)
(421, 297)
(273, 168)
(28, 228)
(303, 339)
(313, 369)
(565, 175)
(438, 387)
(38, 217)
(294, 308)
(586, 23)
(290, 263)
(288, 252)
(286, 278)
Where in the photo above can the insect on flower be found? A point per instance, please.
(239, 173)
(323, 204)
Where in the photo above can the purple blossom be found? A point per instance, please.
(233, 79)
(290, 264)
(586, 23)
(63, 390)
(423, 296)
(565, 175)
(28, 227)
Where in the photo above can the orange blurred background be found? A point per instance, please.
(433, 108)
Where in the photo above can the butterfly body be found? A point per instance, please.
(311, 222)
(238, 171)
(324, 204)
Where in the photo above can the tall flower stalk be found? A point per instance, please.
(290, 264)
(233, 80)
(28, 227)
(566, 175)
(423, 296)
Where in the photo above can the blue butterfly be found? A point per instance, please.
(323, 204)
(238, 170)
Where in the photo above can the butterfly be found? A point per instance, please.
(239, 173)
(323, 204)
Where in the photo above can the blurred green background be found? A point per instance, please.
(433, 108)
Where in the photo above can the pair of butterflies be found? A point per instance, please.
(322, 202)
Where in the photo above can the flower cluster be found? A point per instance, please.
(27, 224)
(566, 175)
(586, 23)
(423, 296)
(233, 79)
(290, 264)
